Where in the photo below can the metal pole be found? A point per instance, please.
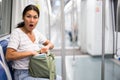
(103, 39)
(113, 24)
(117, 25)
(49, 27)
(72, 26)
(63, 41)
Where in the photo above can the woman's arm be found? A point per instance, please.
(12, 54)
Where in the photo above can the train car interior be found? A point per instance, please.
(85, 34)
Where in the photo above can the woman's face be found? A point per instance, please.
(30, 19)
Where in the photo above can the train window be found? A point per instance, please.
(5, 16)
(0, 14)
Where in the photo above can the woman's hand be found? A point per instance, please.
(44, 49)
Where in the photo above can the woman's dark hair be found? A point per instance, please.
(27, 8)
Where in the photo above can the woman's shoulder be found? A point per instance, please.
(16, 30)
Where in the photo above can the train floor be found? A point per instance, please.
(86, 67)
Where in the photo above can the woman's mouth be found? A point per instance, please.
(31, 26)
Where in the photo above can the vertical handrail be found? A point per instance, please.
(113, 27)
(103, 39)
(49, 27)
(117, 15)
(73, 35)
(63, 41)
(11, 16)
(72, 26)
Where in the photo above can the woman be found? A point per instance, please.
(25, 42)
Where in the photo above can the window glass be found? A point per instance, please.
(0, 14)
(5, 16)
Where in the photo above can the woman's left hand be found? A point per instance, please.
(44, 49)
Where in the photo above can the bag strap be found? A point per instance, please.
(52, 74)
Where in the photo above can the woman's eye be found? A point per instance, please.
(35, 17)
(28, 16)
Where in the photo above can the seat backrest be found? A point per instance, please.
(3, 46)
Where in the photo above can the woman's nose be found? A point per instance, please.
(31, 19)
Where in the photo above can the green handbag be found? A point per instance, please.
(43, 66)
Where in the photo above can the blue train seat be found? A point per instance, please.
(8, 69)
(4, 44)
(3, 75)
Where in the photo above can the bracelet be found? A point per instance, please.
(39, 51)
